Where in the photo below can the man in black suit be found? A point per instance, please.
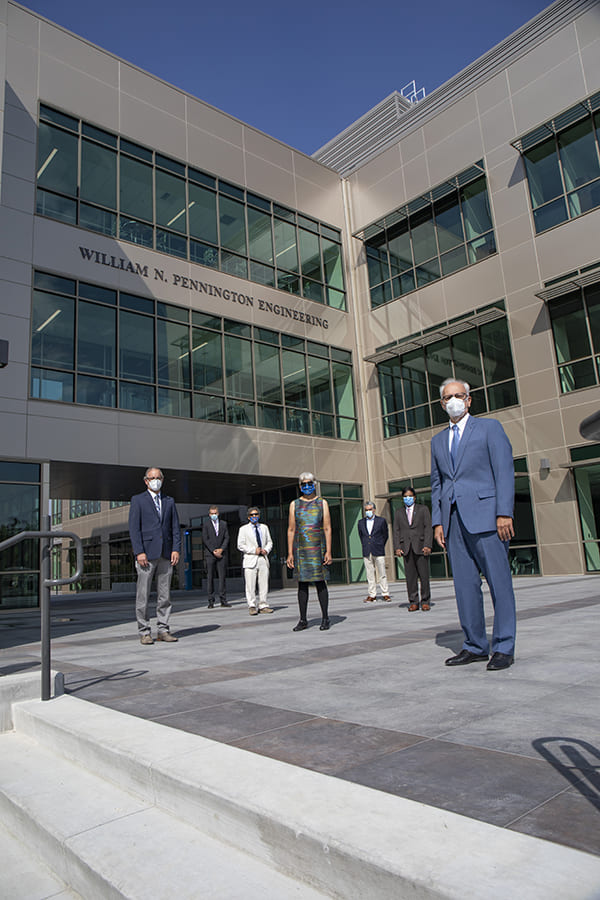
(373, 534)
(215, 537)
(156, 541)
(413, 537)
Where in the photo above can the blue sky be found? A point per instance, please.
(301, 72)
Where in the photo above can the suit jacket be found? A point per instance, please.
(483, 482)
(211, 540)
(375, 542)
(247, 543)
(150, 534)
(415, 536)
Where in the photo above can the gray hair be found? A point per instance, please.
(369, 503)
(306, 476)
(448, 381)
(151, 469)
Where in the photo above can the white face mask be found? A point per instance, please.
(155, 485)
(455, 407)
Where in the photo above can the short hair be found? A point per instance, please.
(253, 509)
(447, 381)
(305, 476)
(369, 503)
(213, 506)
(408, 490)
(151, 469)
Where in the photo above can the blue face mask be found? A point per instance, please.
(369, 513)
(408, 501)
(214, 517)
(254, 519)
(308, 489)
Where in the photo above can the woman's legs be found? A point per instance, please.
(302, 604)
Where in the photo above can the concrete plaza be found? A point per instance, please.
(369, 701)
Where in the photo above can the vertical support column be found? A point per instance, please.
(44, 591)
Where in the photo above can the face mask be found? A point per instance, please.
(254, 519)
(307, 489)
(455, 407)
(369, 513)
(155, 485)
(214, 517)
(408, 501)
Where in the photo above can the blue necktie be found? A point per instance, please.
(157, 504)
(454, 445)
(257, 530)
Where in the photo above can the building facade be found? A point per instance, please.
(180, 289)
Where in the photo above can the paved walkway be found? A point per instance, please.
(369, 701)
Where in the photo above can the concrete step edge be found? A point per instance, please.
(353, 841)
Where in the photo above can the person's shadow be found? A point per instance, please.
(452, 640)
(577, 761)
(202, 629)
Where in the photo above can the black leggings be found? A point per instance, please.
(322, 594)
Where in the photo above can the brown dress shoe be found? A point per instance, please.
(413, 607)
(425, 607)
(387, 598)
(146, 639)
(369, 600)
(166, 636)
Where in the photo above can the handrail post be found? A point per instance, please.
(45, 608)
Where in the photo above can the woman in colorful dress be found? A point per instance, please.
(309, 547)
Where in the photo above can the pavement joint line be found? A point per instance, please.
(545, 802)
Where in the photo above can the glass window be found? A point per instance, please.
(320, 386)
(136, 347)
(294, 379)
(414, 378)
(260, 237)
(579, 155)
(495, 349)
(448, 222)
(400, 248)
(285, 246)
(233, 225)
(173, 359)
(96, 339)
(99, 220)
(49, 385)
(135, 189)
(467, 359)
(173, 244)
(136, 232)
(270, 417)
(207, 361)
(202, 211)
(422, 232)
(310, 254)
(138, 397)
(587, 481)
(19, 511)
(234, 265)
(56, 207)
(238, 368)
(98, 175)
(53, 335)
(174, 403)
(569, 328)
(171, 205)
(343, 389)
(96, 391)
(204, 255)
(323, 425)
(240, 412)
(268, 374)
(57, 160)
(332, 261)
(262, 274)
(543, 173)
(476, 208)
(297, 420)
(312, 290)
(209, 409)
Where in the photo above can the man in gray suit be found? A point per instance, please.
(413, 537)
(156, 541)
(215, 537)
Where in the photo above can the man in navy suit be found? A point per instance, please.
(215, 537)
(373, 534)
(472, 499)
(156, 541)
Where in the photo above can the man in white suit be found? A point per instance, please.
(254, 542)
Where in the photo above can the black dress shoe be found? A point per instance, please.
(211, 605)
(465, 657)
(324, 626)
(225, 603)
(500, 661)
(302, 624)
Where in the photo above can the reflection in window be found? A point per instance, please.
(576, 331)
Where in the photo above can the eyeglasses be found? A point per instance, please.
(307, 483)
(461, 396)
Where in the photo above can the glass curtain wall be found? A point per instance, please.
(101, 347)
(587, 483)
(90, 177)
(19, 511)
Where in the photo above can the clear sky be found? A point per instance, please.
(302, 71)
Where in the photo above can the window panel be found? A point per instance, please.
(502, 395)
(96, 391)
(332, 261)
(138, 397)
(136, 232)
(438, 367)
(569, 328)
(98, 175)
(448, 222)
(173, 244)
(320, 385)
(286, 254)
(135, 188)
(297, 420)
(48, 385)
(585, 199)
(207, 361)
(232, 224)
(57, 160)
(55, 207)
(294, 378)
(310, 254)
(173, 343)
(267, 373)
(592, 302)
(270, 417)
(204, 255)
(209, 409)
(414, 378)
(96, 339)
(579, 155)
(99, 220)
(262, 274)
(240, 413)
(422, 232)
(136, 347)
(238, 368)
(171, 205)
(467, 360)
(260, 236)
(476, 209)
(52, 328)
(174, 403)
(312, 290)
(550, 215)
(400, 248)
(323, 424)
(453, 260)
(543, 173)
(234, 265)
(390, 385)
(202, 212)
(577, 375)
(495, 349)
(343, 389)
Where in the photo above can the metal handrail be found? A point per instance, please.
(45, 584)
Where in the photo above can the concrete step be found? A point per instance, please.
(343, 839)
(26, 876)
(108, 843)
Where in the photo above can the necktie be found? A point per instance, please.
(409, 513)
(258, 540)
(454, 445)
(157, 504)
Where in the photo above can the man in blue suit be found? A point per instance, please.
(373, 534)
(472, 499)
(156, 541)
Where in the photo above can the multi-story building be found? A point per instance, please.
(182, 290)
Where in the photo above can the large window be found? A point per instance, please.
(587, 482)
(447, 229)
(19, 511)
(480, 354)
(102, 347)
(575, 321)
(562, 162)
(90, 177)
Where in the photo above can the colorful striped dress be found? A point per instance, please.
(309, 540)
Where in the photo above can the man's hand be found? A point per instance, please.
(438, 533)
(426, 551)
(399, 552)
(504, 525)
(142, 560)
(218, 552)
(174, 558)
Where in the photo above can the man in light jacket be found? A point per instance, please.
(255, 543)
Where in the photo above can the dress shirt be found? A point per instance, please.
(370, 523)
